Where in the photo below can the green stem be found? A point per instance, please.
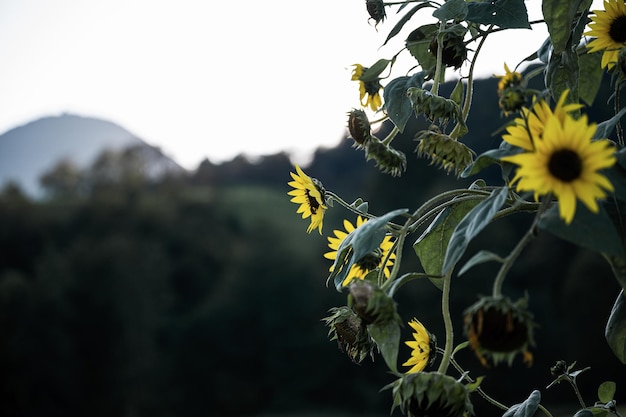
(447, 320)
(575, 386)
(517, 250)
(440, 67)
(391, 135)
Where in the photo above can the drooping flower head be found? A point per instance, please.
(530, 126)
(310, 195)
(565, 162)
(369, 90)
(424, 348)
(369, 262)
(608, 26)
(499, 329)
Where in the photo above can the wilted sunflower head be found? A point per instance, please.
(376, 10)
(359, 127)
(454, 50)
(430, 394)
(370, 303)
(310, 195)
(499, 329)
(348, 329)
(608, 26)
(442, 150)
(388, 159)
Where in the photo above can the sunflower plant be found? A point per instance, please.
(555, 163)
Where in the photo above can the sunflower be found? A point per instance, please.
(367, 263)
(369, 90)
(526, 129)
(424, 348)
(309, 193)
(565, 162)
(509, 79)
(609, 28)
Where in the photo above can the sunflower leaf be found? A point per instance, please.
(527, 408)
(562, 74)
(605, 128)
(589, 85)
(595, 231)
(559, 15)
(431, 246)
(615, 331)
(480, 257)
(418, 44)
(503, 13)
(361, 241)
(373, 73)
(407, 16)
(397, 104)
(386, 335)
(451, 10)
(489, 158)
(472, 224)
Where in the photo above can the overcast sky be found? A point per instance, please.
(205, 79)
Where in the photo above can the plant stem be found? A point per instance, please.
(391, 135)
(447, 320)
(517, 250)
(440, 67)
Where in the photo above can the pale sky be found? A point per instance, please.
(207, 79)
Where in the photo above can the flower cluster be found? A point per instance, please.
(551, 157)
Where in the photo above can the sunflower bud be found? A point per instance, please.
(512, 99)
(499, 329)
(388, 159)
(350, 332)
(432, 106)
(359, 127)
(444, 151)
(454, 50)
(376, 10)
(371, 303)
(429, 394)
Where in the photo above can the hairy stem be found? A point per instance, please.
(447, 320)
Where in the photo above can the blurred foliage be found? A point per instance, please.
(202, 296)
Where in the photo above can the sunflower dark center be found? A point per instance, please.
(565, 165)
(371, 260)
(313, 203)
(617, 31)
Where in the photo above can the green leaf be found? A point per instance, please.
(405, 18)
(418, 44)
(617, 175)
(489, 158)
(387, 337)
(615, 331)
(588, 86)
(361, 241)
(373, 73)
(595, 231)
(562, 74)
(559, 15)
(584, 413)
(398, 106)
(457, 93)
(606, 391)
(504, 13)
(451, 10)
(605, 128)
(527, 408)
(481, 257)
(431, 246)
(472, 224)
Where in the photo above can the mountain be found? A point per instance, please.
(30, 150)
